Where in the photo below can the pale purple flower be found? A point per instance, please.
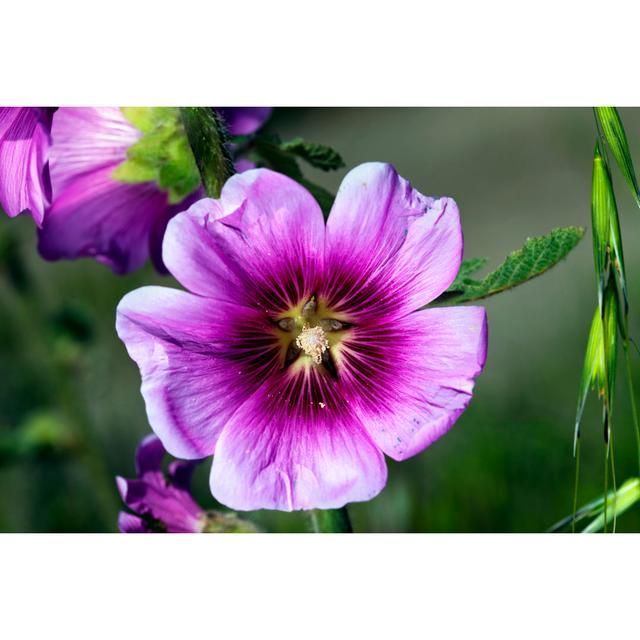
(160, 503)
(92, 214)
(300, 355)
(24, 150)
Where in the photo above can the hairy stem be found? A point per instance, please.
(330, 521)
(208, 144)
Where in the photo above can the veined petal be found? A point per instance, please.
(389, 249)
(99, 217)
(296, 445)
(24, 153)
(261, 243)
(200, 359)
(242, 121)
(128, 523)
(86, 139)
(413, 378)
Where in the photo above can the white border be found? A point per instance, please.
(334, 52)
(297, 586)
(319, 53)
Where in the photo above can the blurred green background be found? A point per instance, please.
(71, 413)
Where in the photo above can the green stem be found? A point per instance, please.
(613, 477)
(606, 484)
(632, 395)
(208, 144)
(331, 521)
(575, 487)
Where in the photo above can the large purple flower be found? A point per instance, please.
(301, 354)
(24, 150)
(93, 214)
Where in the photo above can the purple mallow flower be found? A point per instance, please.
(161, 504)
(24, 151)
(300, 354)
(93, 214)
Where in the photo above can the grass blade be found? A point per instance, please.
(613, 132)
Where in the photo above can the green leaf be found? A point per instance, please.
(267, 152)
(533, 259)
(626, 496)
(162, 155)
(467, 269)
(317, 155)
(613, 132)
(617, 503)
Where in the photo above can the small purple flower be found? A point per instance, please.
(161, 503)
(24, 150)
(92, 214)
(300, 354)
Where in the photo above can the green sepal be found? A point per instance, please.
(218, 522)
(162, 155)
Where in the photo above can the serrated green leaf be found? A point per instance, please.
(317, 155)
(614, 133)
(267, 152)
(533, 259)
(467, 269)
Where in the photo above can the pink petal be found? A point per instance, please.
(411, 393)
(24, 151)
(86, 139)
(99, 217)
(390, 250)
(199, 360)
(262, 242)
(295, 445)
